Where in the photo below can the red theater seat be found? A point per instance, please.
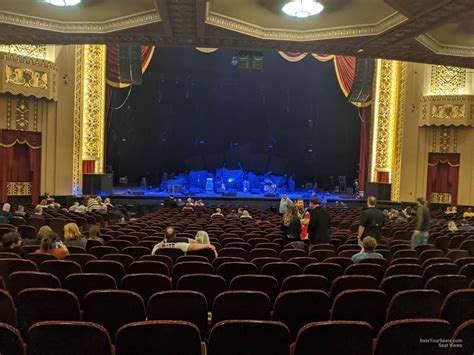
(145, 284)
(10, 340)
(253, 305)
(22, 280)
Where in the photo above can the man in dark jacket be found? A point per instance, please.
(371, 222)
(319, 223)
(421, 234)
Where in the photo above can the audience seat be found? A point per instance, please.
(120, 244)
(393, 284)
(231, 269)
(81, 259)
(171, 252)
(382, 262)
(373, 270)
(431, 253)
(136, 252)
(412, 336)
(334, 338)
(189, 268)
(145, 284)
(344, 263)
(456, 254)
(42, 304)
(303, 261)
(102, 250)
(109, 267)
(159, 337)
(447, 283)
(351, 282)
(253, 305)
(280, 270)
(468, 271)
(186, 257)
(457, 307)
(405, 261)
(39, 258)
(209, 254)
(264, 283)
(6, 255)
(7, 266)
(209, 285)
(362, 305)
(305, 282)
(403, 269)
(113, 308)
(189, 306)
(414, 304)
(7, 309)
(266, 245)
(464, 261)
(249, 337)
(22, 280)
(464, 335)
(328, 270)
(432, 261)
(162, 258)
(323, 254)
(149, 267)
(123, 259)
(299, 307)
(287, 254)
(260, 262)
(262, 253)
(60, 268)
(10, 340)
(72, 338)
(82, 284)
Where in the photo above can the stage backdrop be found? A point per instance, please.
(198, 111)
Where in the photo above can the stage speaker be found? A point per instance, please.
(130, 64)
(361, 90)
(380, 190)
(97, 184)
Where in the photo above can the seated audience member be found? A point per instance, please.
(233, 214)
(465, 226)
(74, 207)
(20, 211)
(51, 245)
(73, 237)
(43, 231)
(449, 210)
(5, 212)
(468, 213)
(452, 226)
(240, 210)
(180, 203)
(189, 201)
(201, 241)
(217, 213)
(170, 236)
(170, 202)
(94, 205)
(368, 250)
(12, 243)
(199, 203)
(94, 234)
(245, 215)
(291, 224)
(188, 208)
(38, 212)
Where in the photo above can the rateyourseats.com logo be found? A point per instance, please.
(443, 343)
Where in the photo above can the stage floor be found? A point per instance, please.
(135, 191)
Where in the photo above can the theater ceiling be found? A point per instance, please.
(428, 31)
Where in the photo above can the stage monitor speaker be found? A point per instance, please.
(97, 184)
(381, 191)
(361, 90)
(130, 64)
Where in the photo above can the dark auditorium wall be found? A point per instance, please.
(197, 110)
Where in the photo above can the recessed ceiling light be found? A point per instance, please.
(63, 2)
(302, 8)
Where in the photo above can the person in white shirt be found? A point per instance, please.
(218, 213)
(284, 203)
(201, 241)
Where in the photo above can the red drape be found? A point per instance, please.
(345, 72)
(88, 166)
(383, 176)
(365, 114)
(20, 157)
(443, 175)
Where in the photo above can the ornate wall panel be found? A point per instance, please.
(447, 80)
(444, 139)
(447, 110)
(77, 142)
(26, 50)
(19, 188)
(28, 76)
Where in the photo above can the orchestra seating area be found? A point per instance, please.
(258, 296)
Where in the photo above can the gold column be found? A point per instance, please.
(89, 110)
(387, 130)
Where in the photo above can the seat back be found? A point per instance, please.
(264, 283)
(393, 284)
(123, 259)
(113, 308)
(60, 268)
(403, 337)
(374, 270)
(77, 337)
(172, 337)
(39, 258)
(297, 308)
(21, 280)
(82, 284)
(8, 266)
(328, 270)
(350, 282)
(42, 304)
(457, 307)
(447, 283)
(241, 305)
(191, 267)
(280, 270)
(231, 269)
(235, 337)
(334, 337)
(147, 266)
(305, 282)
(465, 334)
(414, 304)
(109, 267)
(145, 284)
(403, 269)
(81, 259)
(189, 306)
(7, 309)
(209, 285)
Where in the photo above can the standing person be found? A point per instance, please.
(319, 227)
(421, 234)
(303, 214)
(371, 222)
(285, 202)
(291, 224)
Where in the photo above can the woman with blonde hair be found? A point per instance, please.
(73, 237)
(291, 224)
(245, 214)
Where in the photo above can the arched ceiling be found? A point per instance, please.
(437, 32)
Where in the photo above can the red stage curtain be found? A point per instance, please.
(345, 72)
(20, 154)
(382, 176)
(365, 114)
(88, 166)
(443, 175)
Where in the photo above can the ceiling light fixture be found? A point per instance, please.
(302, 8)
(63, 2)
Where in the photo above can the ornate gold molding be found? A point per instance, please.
(29, 78)
(447, 80)
(444, 49)
(121, 23)
(447, 110)
(22, 118)
(26, 50)
(439, 197)
(385, 113)
(246, 28)
(18, 188)
(77, 143)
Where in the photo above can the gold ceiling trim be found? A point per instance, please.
(229, 23)
(444, 49)
(117, 24)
